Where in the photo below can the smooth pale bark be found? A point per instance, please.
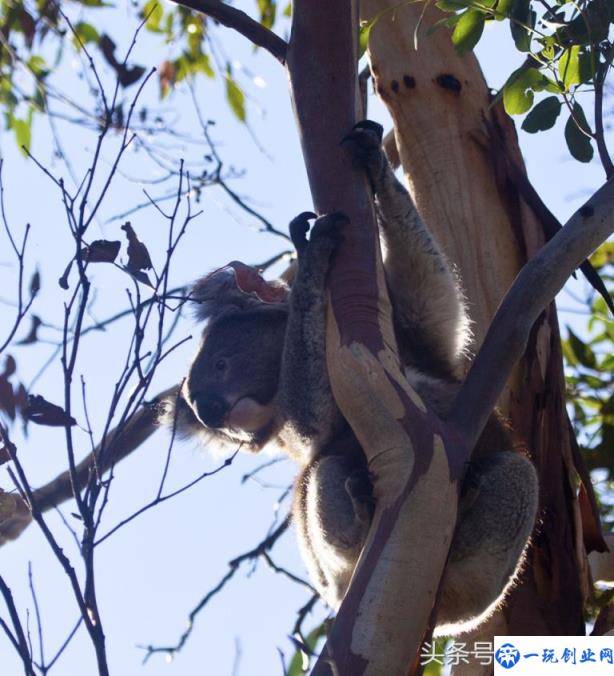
(452, 146)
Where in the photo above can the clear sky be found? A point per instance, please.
(157, 568)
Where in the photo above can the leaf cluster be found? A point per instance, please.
(568, 53)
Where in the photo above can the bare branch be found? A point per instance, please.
(121, 441)
(602, 147)
(242, 23)
(260, 550)
(535, 286)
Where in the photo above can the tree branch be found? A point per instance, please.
(535, 286)
(242, 23)
(602, 148)
(118, 445)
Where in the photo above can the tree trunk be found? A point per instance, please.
(453, 148)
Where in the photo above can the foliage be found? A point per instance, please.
(589, 368)
(37, 38)
(567, 46)
(568, 54)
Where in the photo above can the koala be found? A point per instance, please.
(259, 378)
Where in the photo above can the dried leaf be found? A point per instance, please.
(4, 455)
(32, 336)
(127, 75)
(35, 283)
(167, 72)
(43, 412)
(7, 398)
(140, 277)
(63, 281)
(102, 251)
(10, 366)
(138, 256)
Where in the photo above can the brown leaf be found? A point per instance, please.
(32, 336)
(21, 398)
(4, 455)
(43, 412)
(127, 75)
(63, 281)
(138, 256)
(7, 398)
(167, 72)
(140, 277)
(102, 251)
(35, 283)
(10, 366)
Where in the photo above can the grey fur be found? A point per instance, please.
(260, 377)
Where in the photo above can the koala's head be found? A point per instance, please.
(230, 389)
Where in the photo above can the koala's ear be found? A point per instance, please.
(234, 287)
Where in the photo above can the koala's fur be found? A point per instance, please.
(260, 378)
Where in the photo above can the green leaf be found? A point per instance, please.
(95, 3)
(38, 66)
(504, 9)
(363, 36)
(153, 12)
(235, 97)
(23, 133)
(543, 116)
(268, 9)
(299, 664)
(603, 256)
(86, 34)
(452, 5)
(468, 30)
(578, 142)
(519, 88)
(575, 66)
(288, 10)
(581, 350)
(522, 20)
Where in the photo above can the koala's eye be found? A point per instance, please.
(221, 365)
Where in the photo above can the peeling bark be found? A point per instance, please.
(450, 143)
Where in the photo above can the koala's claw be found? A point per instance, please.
(299, 227)
(364, 142)
(365, 128)
(329, 226)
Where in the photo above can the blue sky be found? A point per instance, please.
(154, 571)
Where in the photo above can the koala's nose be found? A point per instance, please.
(211, 409)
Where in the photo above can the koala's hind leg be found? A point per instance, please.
(332, 512)
(429, 312)
(496, 517)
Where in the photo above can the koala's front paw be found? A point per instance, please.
(328, 229)
(299, 227)
(364, 144)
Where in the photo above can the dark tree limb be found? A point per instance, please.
(241, 22)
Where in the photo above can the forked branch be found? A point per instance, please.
(119, 444)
